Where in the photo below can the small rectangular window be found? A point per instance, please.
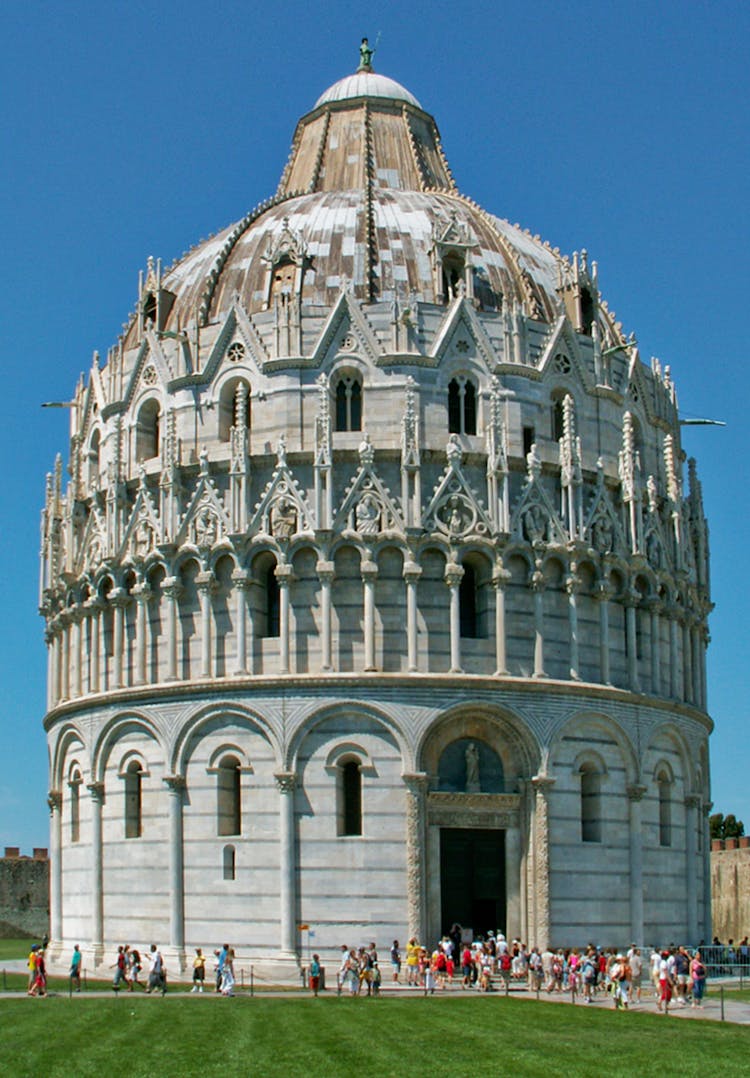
(529, 437)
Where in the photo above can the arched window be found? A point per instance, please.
(229, 797)
(348, 402)
(134, 800)
(462, 406)
(454, 275)
(234, 408)
(664, 785)
(557, 414)
(587, 311)
(591, 798)
(282, 280)
(273, 616)
(228, 862)
(349, 797)
(75, 806)
(147, 431)
(467, 597)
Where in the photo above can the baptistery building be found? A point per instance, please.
(376, 585)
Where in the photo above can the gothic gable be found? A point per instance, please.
(283, 510)
(455, 509)
(368, 506)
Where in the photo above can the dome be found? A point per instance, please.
(366, 84)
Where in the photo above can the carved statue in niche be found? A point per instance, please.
(534, 523)
(143, 539)
(368, 515)
(456, 516)
(602, 534)
(206, 530)
(283, 518)
(653, 550)
(472, 769)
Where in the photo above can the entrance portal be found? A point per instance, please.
(472, 879)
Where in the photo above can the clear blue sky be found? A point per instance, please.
(137, 128)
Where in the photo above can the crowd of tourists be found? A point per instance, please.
(674, 975)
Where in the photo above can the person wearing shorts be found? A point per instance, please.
(199, 970)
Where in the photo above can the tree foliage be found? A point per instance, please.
(726, 826)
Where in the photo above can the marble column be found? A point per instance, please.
(631, 613)
(697, 679)
(687, 659)
(603, 596)
(119, 599)
(284, 575)
(453, 577)
(513, 882)
(54, 800)
(176, 787)
(500, 580)
(573, 586)
(95, 614)
(325, 571)
(412, 573)
(96, 790)
(143, 595)
(692, 805)
(674, 668)
(706, 861)
(542, 784)
(241, 581)
(77, 671)
(416, 870)
(49, 639)
(655, 608)
(286, 782)
(369, 574)
(65, 657)
(206, 584)
(171, 590)
(105, 668)
(635, 794)
(537, 586)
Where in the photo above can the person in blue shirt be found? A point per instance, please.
(315, 974)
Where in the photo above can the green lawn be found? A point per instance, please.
(404, 1038)
(10, 949)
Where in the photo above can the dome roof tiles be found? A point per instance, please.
(366, 84)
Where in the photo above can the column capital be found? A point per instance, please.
(54, 801)
(96, 789)
(416, 782)
(284, 574)
(707, 807)
(286, 781)
(500, 579)
(412, 572)
(573, 583)
(454, 574)
(241, 578)
(119, 597)
(692, 801)
(174, 783)
(171, 587)
(537, 582)
(603, 592)
(142, 593)
(635, 791)
(654, 605)
(543, 783)
(94, 604)
(326, 571)
(368, 570)
(205, 582)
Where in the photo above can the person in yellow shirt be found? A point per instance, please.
(199, 970)
(412, 962)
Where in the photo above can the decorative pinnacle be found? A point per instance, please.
(365, 56)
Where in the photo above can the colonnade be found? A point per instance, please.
(90, 651)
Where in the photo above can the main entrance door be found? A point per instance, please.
(472, 879)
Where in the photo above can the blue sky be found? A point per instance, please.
(131, 129)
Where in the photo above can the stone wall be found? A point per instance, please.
(730, 888)
(24, 894)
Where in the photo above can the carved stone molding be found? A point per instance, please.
(635, 792)
(473, 810)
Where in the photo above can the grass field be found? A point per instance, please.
(457, 1037)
